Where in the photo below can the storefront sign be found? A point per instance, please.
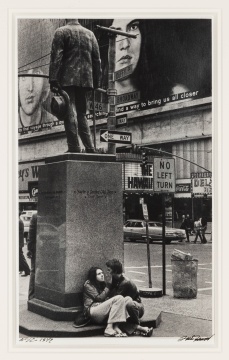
(137, 177)
(33, 189)
(183, 188)
(201, 183)
(164, 175)
(28, 173)
(201, 175)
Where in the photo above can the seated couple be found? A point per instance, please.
(118, 305)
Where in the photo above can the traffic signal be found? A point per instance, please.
(144, 158)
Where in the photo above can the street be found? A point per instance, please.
(136, 268)
(135, 260)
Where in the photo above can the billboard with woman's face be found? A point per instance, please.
(168, 61)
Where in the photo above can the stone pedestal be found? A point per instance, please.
(79, 225)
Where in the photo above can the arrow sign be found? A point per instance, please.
(115, 137)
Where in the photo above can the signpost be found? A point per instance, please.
(146, 217)
(111, 91)
(113, 136)
(164, 183)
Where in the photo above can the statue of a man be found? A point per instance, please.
(75, 67)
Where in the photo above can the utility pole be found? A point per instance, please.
(111, 91)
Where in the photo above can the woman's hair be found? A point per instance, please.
(171, 54)
(92, 278)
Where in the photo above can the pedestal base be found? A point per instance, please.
(150, 292)
(53, 312)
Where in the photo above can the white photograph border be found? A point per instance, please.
(142, 349)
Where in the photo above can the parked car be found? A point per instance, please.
(26, 217)
(136, 230)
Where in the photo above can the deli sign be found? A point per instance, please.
(201, 183)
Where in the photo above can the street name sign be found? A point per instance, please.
(164, 175)
(115, 137)
(98, 106)
(121, 74)
(121, 120)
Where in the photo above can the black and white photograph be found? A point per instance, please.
(115, 177)
(115, 240)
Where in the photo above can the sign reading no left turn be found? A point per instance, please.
(115, 136)
(164, 175)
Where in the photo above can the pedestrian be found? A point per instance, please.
(182, 225)
(31, 246)
(187, 225)
(100, 308)
(197, 229)
(203, 229)
(122, 285)
(23, 265)
(75, 67)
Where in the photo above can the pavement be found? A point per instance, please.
(171, 317)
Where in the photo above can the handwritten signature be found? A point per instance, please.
(33, 339)
(195, 338)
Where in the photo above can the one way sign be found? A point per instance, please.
(115, 136)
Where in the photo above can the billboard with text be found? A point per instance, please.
(168, 61)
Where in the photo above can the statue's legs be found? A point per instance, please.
(84, 129)
(76, 122)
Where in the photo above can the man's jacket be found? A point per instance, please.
(125, 287)
(75, 58)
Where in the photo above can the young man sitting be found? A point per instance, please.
(121, 285)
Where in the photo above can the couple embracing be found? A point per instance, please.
(118, 305)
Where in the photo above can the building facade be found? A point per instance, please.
(170, 111)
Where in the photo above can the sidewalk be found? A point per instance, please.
(172, 317)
